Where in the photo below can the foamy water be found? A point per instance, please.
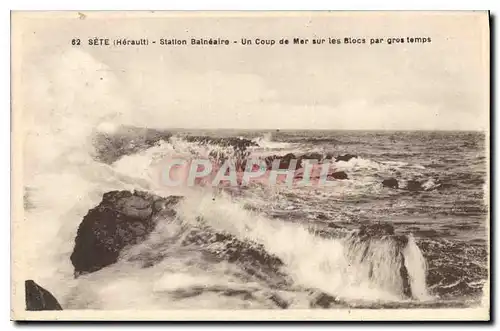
(63, 181)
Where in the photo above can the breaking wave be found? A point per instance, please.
(65, 178)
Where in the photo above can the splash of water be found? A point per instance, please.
(343, 269)
(65, 181)
(266, 142)
(417, 267)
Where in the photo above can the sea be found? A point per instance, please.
(309, 229)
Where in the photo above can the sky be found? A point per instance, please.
(441, 85)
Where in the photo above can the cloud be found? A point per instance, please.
(441, 85)
(359, 115)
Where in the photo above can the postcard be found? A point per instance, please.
(319, 166)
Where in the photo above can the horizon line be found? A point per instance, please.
(312, 129)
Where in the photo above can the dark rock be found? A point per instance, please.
(312, 156)
(38, 298)
(329, 156)
(345, 157)
(284, 161)
(338, 175)
(125, 141)
(128, 140)
(237, 143)
(244, 294)
(239, 147)
(280, 302)
(322, 300)
(371, 233)
(391, 183)
(217, 247)
(190, 292)
(250, 256)
(321, 217)
(376, 230)
(122, 219)
(405, 277)
(414, 186)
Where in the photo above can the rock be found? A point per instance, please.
(300, 159)
(38, 298)
(321, 217)
(345, 157)
(322, 300)
(216, 247)
(280, 302)
(381, 231)
(250, 256)
(312, 156)
(237, 143)
(126, 140)
(122, 218)
(391, 183)
(338, 175)
(284, 161)
(329, 156)
(376, 230)
(414, 186)
(366, 241)
(239, 146)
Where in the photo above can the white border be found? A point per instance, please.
(181, 5)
